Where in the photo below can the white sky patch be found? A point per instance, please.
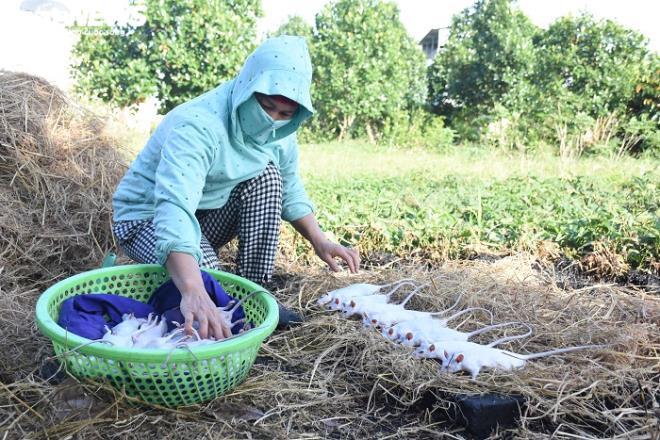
(419, 16)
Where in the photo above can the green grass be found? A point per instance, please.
(407, 201)
(353, 159)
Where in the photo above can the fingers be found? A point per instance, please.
(203, 326)
(208, 317)
(345, 255)
(350, 256)
(209, 327)
(226, 330)
(188, 324)
(217, 329)
(332, 263)
(353, 260)
(357, 259)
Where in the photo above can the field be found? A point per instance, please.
(416, 203)
(491, 229)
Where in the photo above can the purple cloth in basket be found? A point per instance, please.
(86, 315)
(166, 301)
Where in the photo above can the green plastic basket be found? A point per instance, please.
(159, 376)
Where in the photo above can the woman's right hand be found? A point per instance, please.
(196, 304)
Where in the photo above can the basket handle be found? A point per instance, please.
(109, 259)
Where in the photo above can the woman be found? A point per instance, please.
(225, 164)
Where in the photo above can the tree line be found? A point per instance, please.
(580, 86)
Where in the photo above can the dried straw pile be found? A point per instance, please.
(57, 173)
(332, 379)
(344, 380)
(326, 379)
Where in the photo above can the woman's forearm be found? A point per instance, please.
(185, 273)
(309, 228)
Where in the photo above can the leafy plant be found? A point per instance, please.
(488, 52)
(597, 62)
(295, 25)
(418, 128)
(184, 48)
(500, 80)
(423, 214)
(368, 70)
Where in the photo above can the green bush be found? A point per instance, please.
(646, 99)
(295, 25)
(596, 62)
(112, 64)
(367, 69)
(584, 86)
(488, 52)
(419, 128)
(640, 135)
(184, 48)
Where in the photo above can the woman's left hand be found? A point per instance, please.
(324, 248)
(328, 251)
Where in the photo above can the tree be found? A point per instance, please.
(595, 64)
(184, 48)
(489, 51)
(367, 70)
(646, 99)
(295, 25)
(590, 86)
(112, 64)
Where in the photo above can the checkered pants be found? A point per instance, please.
(252, 213)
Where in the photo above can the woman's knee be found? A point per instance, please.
(271, 177)
(137, 240)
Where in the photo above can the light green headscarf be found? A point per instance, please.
(279, 66)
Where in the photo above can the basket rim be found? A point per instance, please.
(78, 344)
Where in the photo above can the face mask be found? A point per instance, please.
(256, 124)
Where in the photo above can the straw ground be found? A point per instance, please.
(328, 378)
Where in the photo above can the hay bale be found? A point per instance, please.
(57, 174)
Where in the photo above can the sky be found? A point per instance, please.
(419, 16)
(41, 45)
